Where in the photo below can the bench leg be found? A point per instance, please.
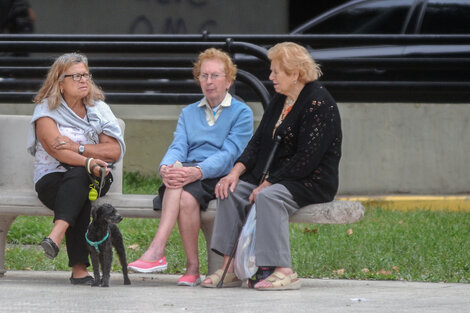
(5, 223)
(214, 261)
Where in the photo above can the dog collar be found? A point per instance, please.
(95, 244)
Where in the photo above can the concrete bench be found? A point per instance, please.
(17, 195)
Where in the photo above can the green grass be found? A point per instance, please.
(417, 245)
(138, 184)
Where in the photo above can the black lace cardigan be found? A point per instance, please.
(307, 159)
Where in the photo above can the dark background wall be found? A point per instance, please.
(161, 16)
(174, 16)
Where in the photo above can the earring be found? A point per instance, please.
(295, 81)
(61, 90)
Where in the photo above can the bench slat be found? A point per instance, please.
(140, 206)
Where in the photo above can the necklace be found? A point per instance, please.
(288, 105)
(287, 108)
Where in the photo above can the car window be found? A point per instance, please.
(446, 17)
(373, 17)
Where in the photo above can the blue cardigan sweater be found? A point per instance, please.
(214, 148)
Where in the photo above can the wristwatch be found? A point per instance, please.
(81, 149)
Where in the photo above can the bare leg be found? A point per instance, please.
(230, 269)
(79, 271)
(58, 231)
(189, 223)
(170, 212)
(57, 235)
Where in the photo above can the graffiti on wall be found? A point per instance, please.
(144, 24)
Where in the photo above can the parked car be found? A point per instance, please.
(392, 17)
(375, 69)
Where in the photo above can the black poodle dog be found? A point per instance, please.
(102, 234)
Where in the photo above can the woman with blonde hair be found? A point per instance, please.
(73, 134)
(304, 170)
(210, 135)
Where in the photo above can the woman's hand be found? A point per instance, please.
(174, 178)
(225, 183)
(255, 191)
(107, 149)
(170, 178)
(230, 181)
(95, 170)
(64, 143)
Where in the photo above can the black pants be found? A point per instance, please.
(67, 195)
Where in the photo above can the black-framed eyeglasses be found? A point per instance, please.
(78, 77)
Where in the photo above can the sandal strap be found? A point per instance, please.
(230, 278)
(278, 279)
(217, 276)
(275, 276)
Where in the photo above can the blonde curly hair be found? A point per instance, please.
(293, 57)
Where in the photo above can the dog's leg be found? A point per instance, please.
(106, 257)
(96, 267)
(121, 252)
(122, 259)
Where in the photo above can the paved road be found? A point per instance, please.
(35, 291)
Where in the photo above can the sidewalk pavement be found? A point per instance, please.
(36, 291)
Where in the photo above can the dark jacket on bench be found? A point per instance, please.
(307, 159)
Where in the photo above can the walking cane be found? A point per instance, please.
(263, 177)
(102, 178)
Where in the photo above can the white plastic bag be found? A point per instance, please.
(244, 261)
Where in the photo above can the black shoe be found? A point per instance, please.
(87, 280)
(50, 248)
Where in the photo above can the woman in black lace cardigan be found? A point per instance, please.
(304, 170)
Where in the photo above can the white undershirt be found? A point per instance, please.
(45, 163)
(212, 114)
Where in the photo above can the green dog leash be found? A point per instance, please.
(95, 244)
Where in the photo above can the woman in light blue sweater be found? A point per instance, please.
(211, 134)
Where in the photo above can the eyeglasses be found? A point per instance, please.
(214, 76)
(78, 77)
